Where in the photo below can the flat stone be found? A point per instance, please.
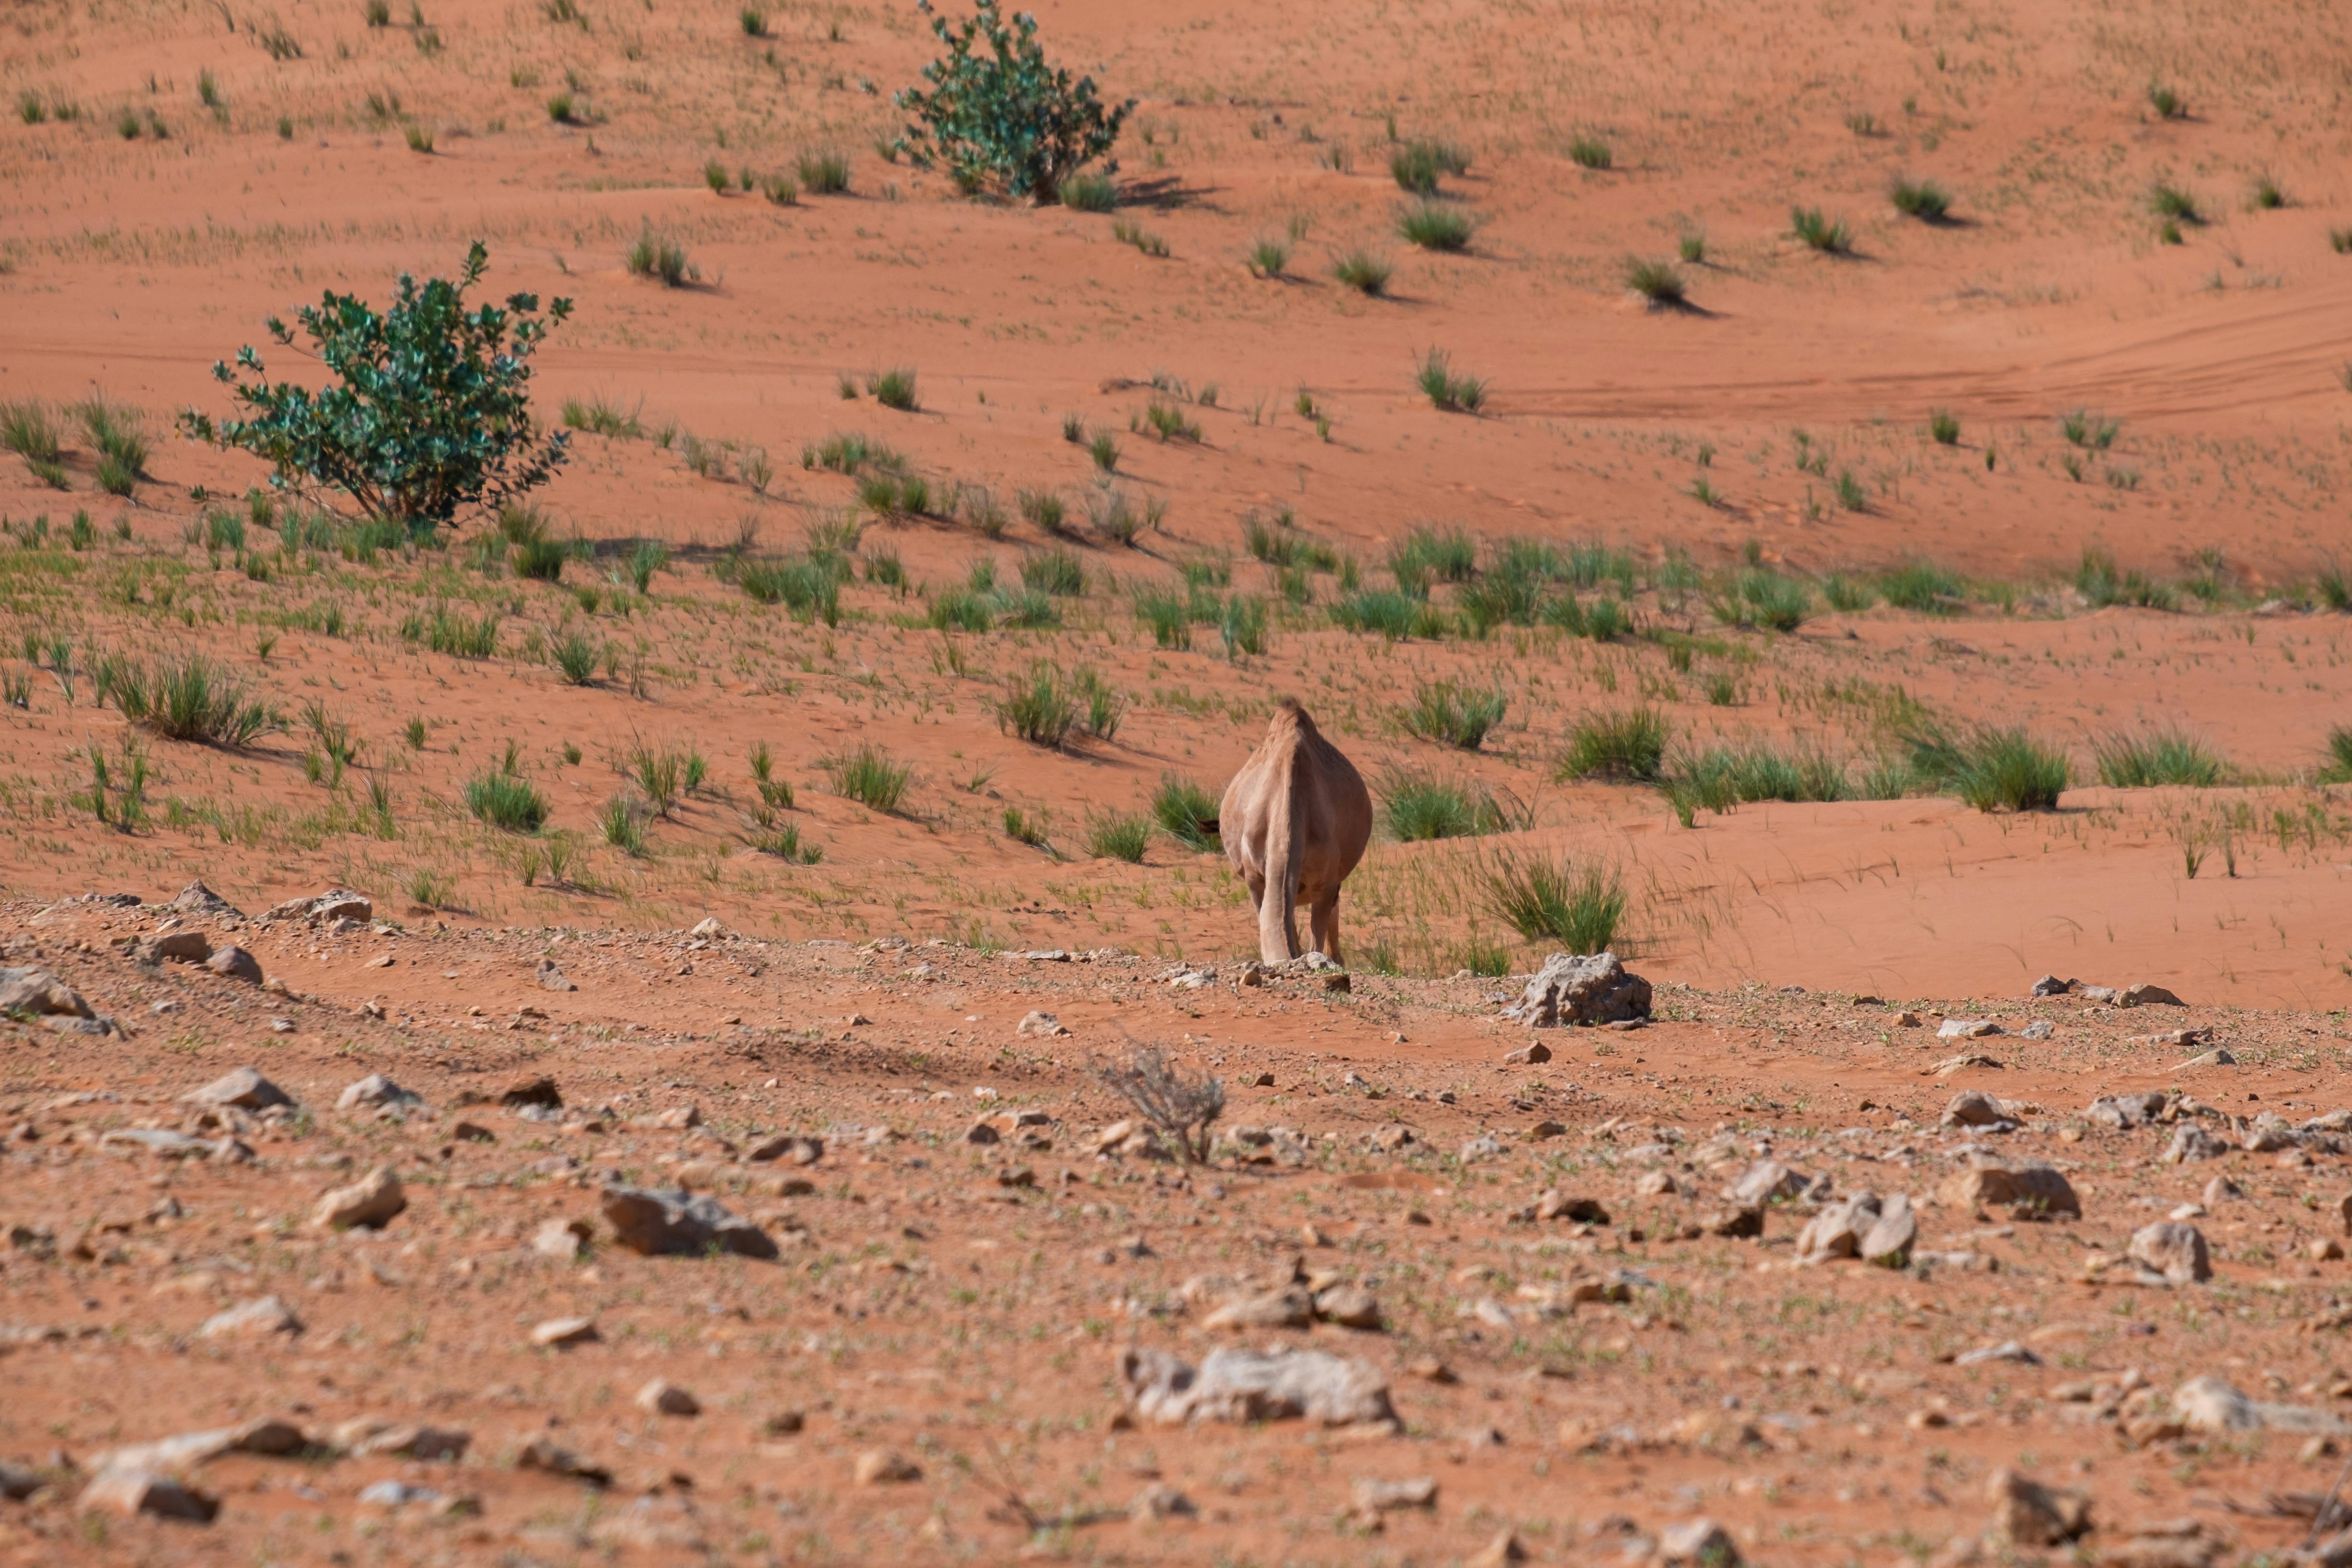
(335, 904)
(662, 1397)
(243, 1088)
(175, 946)
(1287, 1309)
(1375, 1494)
(252, 1319)
(1350, 1306)
(372, 1092)
(561, 1331)
(562, 1238)
(372, 1201)
(2026, 1513)
(545, 1454)
(551, 978)
(1967, 1029)
(1530, 1055)
(1245, 1385)
(2028, 1186)
(2144, 995)
(653, 1220)
(132, 1493)
(1697, 1543)
(1038, 1025)
(882, 1466)
(540, 1090)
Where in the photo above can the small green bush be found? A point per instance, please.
(1656, 281)
(1827, 235)
(1267, 258)
(1945, 427)
(1054, 572)
(1090, 193)
(541, 560)
(1924, 587)
(1041, 707)
(2169, 201)
(1922, 199)
(1763, 598)
(1990, 768)
(190, 698)
(894, 388)
(576, 655)
(2102, 583)
(822, 173)
(1630, 743)
(1362, 271)
(1548, 900)
(1589, 153)
(2093, 433)
(1416, 807)
(2167, 102)
(998, 114)
(657, 256)
(2335, 767)
(1445, 391)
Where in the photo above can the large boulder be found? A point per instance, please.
(656, 1221)
(39, 992)
(1245, 1385)
(1593, 989)
(2173, 1249)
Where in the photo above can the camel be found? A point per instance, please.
(1295, 822)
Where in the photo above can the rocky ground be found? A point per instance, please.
(331, 1238)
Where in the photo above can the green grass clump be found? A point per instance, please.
(2092, 432)
(1118, 836)
(1922, 199)
(1630, 743)
(1267, 258)
(659, 256)
(28, 429)
(1041, 707)
(2167, 100)
(2102, 583)
(1127, 231)
(1992, 769)
(119, 433)
(540, 559)
(1846, 595)
(2160, 756)
(1723, 778)
(1445, 391)
(1167, 614)
(2335, 767)
(1924, 587)
(1589, 153)
(1416, 807)
(1452, 716)
(1945, 427)
(190, 698)
(1415, 166)
(822, 173)
(809, 588)
(504, 801)
(1553, 900)
(1827, 235)
(1763, 598)
(869, 777)
(1187, 813)
(1054, 572)
(1242, 626)
(894, 388)
(1427, 553)
(2268, 196)
(1089, 192)
(2172, 203)
(1395, 615)
(1656, 281)
(576, 655)
(1362, 271)
(1433, 226)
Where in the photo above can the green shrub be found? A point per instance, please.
(1188, 813)
(576, 655)
(1117, 836)
(1394, 614)
(1763, 598)
(502, 800)
(1548, 900)
(1944, 426)
(1829, 236)
(1102, 446)
(1242, 626)
(2333, 584)
(1924, 587)
(1426, 554)
(541, 560)
(1417, 806)
(1000, 115)
(1990, 768)
(1445, 391)
(1723, 777)
(1847, 595)
(1267, 258)
(1433, 226)
(1589, 153)
(1362, 271)
(1445, 712)
(2161, 756)
(2099, 581)
(451, 634)
(1166, 614)
(1114, 519)
(427, 409)
(1656, 281)
(809, 589)
(2171, 202)
(1105, 707)
(1041, 707)
(869, 777)
(622, 821)
(119, 433)
(1922, 199)
(1630, 743)
(1414, 167)
(1054, 572)
(2092, 432)
(1090, 193)
(2167, 102)
(2336, 767)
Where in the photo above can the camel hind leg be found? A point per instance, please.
(1323, 921)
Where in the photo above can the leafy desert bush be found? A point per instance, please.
(1548, 899)
(427, 406)
(1000, 115)
(2159, 756)
(1630, 743)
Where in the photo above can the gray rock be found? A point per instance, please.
(2210, 1405)
(1486, 1146)
(196, 899)
(545, 1454)
(2008, 1350)
(372, 1201)
(374, 1091)
(1766, 1180)
(185, 1449)
(262, 1315)
(1890, 1238)
(2147, 995)
(1287, 1309)
(170, 1145)
(788, 1147)
(1837, 1231)
(539, 1092)
(335, 904)
(2027, 1186)
(2027, 1513)
(1967, 1029)
(2173, 1249)
(2050, 985)
(18, 1482)
(235, 963)
(551, 978)
(654, 1222)
(1350, 1306)
(1157, 1500)
(1375, 1494)
(662, 1397)
(2191, 1143)
(41, 992)
(1244, 1386)
(244, 1088)
(2040, 1029)
(395, 1494)
(1594, 989)
(175, 947)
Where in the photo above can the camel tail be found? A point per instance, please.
(1277, 913)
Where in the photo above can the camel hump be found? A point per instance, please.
(1288, 715)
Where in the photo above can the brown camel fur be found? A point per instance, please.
(1295, 822)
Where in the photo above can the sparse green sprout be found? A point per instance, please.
(2167, 102)
(1692, 247)
(2267, 195)
(2169, 201)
